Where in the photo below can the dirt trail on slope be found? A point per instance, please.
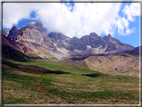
(42, 89)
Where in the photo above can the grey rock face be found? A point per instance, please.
(15, 33)
(5, 32)
(35, 25)
(58, 36)
(76, 43)
(59, 44)
(93, 40)
(110, 47)
(30, 34)
(90, 44)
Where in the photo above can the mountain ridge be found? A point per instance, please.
(59, 46)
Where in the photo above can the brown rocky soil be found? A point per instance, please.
(121, 63)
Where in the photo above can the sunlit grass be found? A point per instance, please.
(73, 88)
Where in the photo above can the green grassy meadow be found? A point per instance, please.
(76, 86)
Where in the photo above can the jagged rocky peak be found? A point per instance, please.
(75, 41)
(109, 35)
(33, 35)
(12, 33)
(35, 25)
(107, 38)
(58, 36)
(13, 30)
(93, 40)
(93, 34)
(23, 32)
(75, 38)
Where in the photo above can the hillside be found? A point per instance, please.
(115, 63)
(38, 68)
(51, 82)
(13, 50)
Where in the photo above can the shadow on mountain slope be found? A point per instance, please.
(13, 54)
(15, 51)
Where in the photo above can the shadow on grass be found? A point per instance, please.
(32, 68)
(91, 75)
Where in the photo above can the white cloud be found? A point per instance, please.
(13, 12)
(129, 31)
(123, 23)
(132, 10)
(123, 26)
(84, 19)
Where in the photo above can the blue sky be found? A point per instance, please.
(121, 20)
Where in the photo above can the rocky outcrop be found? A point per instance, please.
(33, 32)
(57, 45)
(5, 32)
(93, 40)
(14, 50)
(110, 47)
(34, 35)
(58, 36)
(90, 44)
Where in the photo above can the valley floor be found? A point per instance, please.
(55, 82)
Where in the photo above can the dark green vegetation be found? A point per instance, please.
(41, 81)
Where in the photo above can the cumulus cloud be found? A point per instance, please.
(132, 11)
(122, 23)
(123, 26)
(82, 20)
(85, 18)
(14, 12)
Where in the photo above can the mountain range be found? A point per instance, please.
(32, 39)
(41, 68)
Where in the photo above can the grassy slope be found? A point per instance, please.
(71, 88)
(79, 64)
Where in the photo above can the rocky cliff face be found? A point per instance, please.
(90, 44)
(14, 50)
(33, 35)
(93, 40)
(57, 45)
(58, 36)
(111, 47)
(5, 32)
(33, 32)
